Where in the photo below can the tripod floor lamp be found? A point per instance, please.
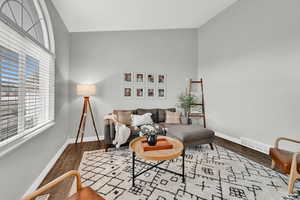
(85, 90)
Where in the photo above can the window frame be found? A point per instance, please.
(15, 141)
(42, 11)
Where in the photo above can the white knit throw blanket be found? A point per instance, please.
(122, 131)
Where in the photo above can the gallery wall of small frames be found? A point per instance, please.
(144, 85)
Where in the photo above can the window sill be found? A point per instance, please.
(9, 146)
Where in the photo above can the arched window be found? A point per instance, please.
(26, 69)
(27, 17)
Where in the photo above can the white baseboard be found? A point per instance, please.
(45, 171)
(227, 137)
(51, 163)
(252, 144)
(85, 139)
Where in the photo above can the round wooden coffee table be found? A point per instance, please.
(137, 150)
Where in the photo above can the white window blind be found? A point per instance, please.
(26, 85)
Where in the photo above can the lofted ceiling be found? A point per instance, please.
(109, 15)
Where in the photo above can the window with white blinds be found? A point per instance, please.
(26, 85)
(9, 75)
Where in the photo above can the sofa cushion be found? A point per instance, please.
(139, 120)
(116, 111)
(173, 117)
(162, 114)
(154, 112)
(124, 117)
(134, 130)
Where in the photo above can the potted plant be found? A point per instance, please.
(186, 102)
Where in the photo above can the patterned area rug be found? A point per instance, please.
(211, 175)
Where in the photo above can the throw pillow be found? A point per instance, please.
(173, 117)
(154, 112)
(124, 117)
(162, 114)
(139, 120)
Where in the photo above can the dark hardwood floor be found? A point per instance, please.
(70, 159)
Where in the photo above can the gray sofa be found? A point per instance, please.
(188, 134)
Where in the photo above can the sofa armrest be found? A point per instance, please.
(109, 131)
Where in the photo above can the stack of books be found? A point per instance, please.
(161, 144)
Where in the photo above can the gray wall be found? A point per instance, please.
(101, 57)
(19, 168)
(249, 57)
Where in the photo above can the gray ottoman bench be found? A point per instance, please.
(191, 134)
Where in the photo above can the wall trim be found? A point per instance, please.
(36, 183)
(85, 139)
(227, 137)
(247, 142)
(253, 144)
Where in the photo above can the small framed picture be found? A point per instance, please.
(128, 92)
(139, 92)
(161, 79)
(150, 92)
(128, 77)
(161, 93)
(140, 78)
(150, 78)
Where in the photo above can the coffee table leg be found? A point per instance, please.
(183, 157)
(133, 162)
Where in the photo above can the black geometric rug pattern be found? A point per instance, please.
(218, 174)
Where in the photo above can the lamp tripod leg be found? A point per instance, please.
(94, 124)
(83, 127)
(80, 124)
(84, 120)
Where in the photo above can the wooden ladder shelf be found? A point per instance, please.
(198, 115)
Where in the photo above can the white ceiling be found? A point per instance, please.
(108, 15)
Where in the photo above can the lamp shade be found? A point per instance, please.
(86, 89)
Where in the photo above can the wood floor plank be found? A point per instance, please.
(71, 157)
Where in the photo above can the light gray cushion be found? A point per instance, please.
(191, 133)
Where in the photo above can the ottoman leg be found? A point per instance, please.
(211, 146)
